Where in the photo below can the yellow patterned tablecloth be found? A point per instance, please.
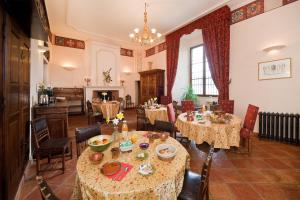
(109, 109)
(157, 114)
(165, 183)
(223, 135)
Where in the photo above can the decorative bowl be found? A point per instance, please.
(96, 158)
(100, 143)
(164, 136)
(144, 146)
(166, 151)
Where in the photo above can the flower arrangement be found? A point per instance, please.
(107, 77)
(117, 120)
(42, 88)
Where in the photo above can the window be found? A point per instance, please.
(201, 80)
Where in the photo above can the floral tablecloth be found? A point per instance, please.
(109, 109)
(166, 182)
(157, 114)
(223, 135)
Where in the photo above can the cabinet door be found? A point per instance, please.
(144, 88)
(152, 86)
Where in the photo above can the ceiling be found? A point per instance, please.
(115, 19)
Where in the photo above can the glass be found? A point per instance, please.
(125, 130)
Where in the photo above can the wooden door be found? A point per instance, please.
(1, 104)
(17, 108)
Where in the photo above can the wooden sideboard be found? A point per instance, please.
(152, 84)
(57, 118)
(74, 98)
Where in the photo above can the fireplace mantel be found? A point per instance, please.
(88, 91)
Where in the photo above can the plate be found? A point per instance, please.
(141, 155)
(111, 168)
(146, 169)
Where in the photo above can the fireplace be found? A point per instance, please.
(111, 94)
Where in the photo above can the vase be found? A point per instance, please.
(116, 135)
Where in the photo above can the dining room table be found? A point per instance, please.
(109, 109)
(156, 113)
(223, 134)
(165, 182)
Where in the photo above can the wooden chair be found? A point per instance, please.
(143, 123)
(164, 127)
(187, 105)
(227, 106)
(196, 186)
(47, 147)
(176, 107)
(45, 191)
(121, 101)
(248, 126)
(83, 134)
(165, 100)
(129, 103)
(93, 117)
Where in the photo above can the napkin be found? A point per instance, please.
(121, 174)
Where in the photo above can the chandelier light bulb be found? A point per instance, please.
(158, 35)
(131, 35)
(136, 30)
(153, 30)
(151, 40)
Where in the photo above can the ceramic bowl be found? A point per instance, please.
(101, 146)
(144, 146)
(96, 158)
(165, 151)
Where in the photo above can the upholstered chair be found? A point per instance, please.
(165, 100)
(227, 106)
(248, 126)
(187, 105)
(85, 133)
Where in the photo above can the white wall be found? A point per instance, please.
(248, 38)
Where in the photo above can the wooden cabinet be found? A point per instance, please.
(57, 118)
(152, 84)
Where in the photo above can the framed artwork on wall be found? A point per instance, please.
(274, 69)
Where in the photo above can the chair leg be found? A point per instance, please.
(37, 164)
(71, 150)
(63, 160)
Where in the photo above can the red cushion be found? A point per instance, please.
(245, 133)
(187, 105)
(227, 106)
(171, 113)
(165, 100)
(250, 117)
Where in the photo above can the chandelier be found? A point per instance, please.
(146, 36)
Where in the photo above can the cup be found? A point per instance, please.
(115, 152)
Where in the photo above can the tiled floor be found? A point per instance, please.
(272, 172)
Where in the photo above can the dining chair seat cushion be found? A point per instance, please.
(191, 186)
(54, 143)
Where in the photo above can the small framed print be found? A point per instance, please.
(274, 69)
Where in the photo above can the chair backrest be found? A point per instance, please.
(140, 112)
(250, 117)
(89, 106)
(164, 126)
(40, 131)
(128, 98)
(165, 100)
(45, 190)
(187, 105)
(227, 106)
(85, 133)
(171, 113)
(205, 173)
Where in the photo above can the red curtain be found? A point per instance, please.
(172, 60)
(216, 39)
(216, 34)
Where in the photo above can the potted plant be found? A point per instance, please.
(189, 94)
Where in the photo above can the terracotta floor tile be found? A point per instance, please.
(229, 176)
(292, 192)
(251, 175)
(221, 163)
(276, 164)
(268, 191)
(220, 191)
(244, 191)
(64, 192)
(241, 163)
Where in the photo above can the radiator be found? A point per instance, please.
(281, 127)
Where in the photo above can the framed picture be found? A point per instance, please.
(274, 69)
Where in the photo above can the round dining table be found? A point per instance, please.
(224, 135)
(156, 114)
(109, 109)
(165, 183)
